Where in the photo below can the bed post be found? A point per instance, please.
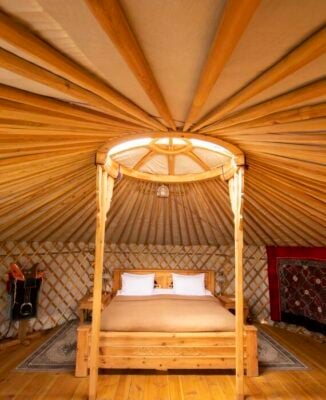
(104, 189)
(236, 186)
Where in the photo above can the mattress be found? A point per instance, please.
(166, 313)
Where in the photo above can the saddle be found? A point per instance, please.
(23, 286)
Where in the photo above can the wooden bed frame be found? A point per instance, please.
(164, 350)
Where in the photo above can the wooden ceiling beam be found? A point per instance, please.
(113, 20)
(43, 202)
(298, 138)
(236, 17)
(20, 111)
(299, 95)
(144, 159)
(52, 134)
(197, 160)
(283, 221)
(60, 224)
(303, 169)
(171, 164)
(46, 207)
(287, 180)
(300, 56)
(52, 104)
(284, 196)
(278, 118)
(311, 153)
(21, 37)
(295, 176)
(309, 126)
(38, 74)
(18, 127)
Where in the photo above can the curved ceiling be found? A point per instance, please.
(250, 73)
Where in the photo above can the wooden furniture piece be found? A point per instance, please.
(229, 303)
(107, 171)
(166, 350)
(86, 304)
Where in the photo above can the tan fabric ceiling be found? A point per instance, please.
(47, 147)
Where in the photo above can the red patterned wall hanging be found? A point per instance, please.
(297, 285)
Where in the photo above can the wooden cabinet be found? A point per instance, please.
(229, 303)
(86, 304)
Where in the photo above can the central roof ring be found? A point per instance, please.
(170, 157)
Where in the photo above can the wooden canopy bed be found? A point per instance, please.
(232, 349)
(166, 350)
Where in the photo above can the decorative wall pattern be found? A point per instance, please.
(68, 269)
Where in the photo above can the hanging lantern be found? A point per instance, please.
(162, 191)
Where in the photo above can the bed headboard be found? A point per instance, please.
(163, 278)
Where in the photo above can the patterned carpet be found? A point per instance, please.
(59, 351)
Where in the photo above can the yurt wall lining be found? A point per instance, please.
(68, 267)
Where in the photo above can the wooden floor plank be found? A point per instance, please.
(172, 385)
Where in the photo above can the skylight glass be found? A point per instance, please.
(131, 144)
(163, 141)
(178, 141)
(210, 146)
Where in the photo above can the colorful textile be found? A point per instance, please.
(297, 286)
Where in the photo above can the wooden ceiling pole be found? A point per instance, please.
(27, 69)
(171, 164)
(113, 20)
(299, 95)
(236, 187)
(306, 52)
(21, 37)
(52, 104)
(20, 111)
(144, 159)
(197, 160)
(104, 191)
(236, 17)
(303, 113)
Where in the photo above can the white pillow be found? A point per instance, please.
(137, 284)
(161, 291)
(191, 285)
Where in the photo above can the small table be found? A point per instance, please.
(228, 302)
(86, 304)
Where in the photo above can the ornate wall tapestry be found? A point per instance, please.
(297, 285)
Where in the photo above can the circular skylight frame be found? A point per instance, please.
(225, 170)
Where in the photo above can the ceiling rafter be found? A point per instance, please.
(281, 117)
(305, 127)
(144, 159)
(307, 92)
(283, 140)
(15, 110)
(301, 55)
(36, 73)
(237, 15)
(171, 164)
(17, 127)
(111, 16)
(311, 153)
(197, 160)
(21, 37)
(52, 104)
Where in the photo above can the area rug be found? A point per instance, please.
(59, 351)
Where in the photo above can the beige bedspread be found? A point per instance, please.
(166, 313)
